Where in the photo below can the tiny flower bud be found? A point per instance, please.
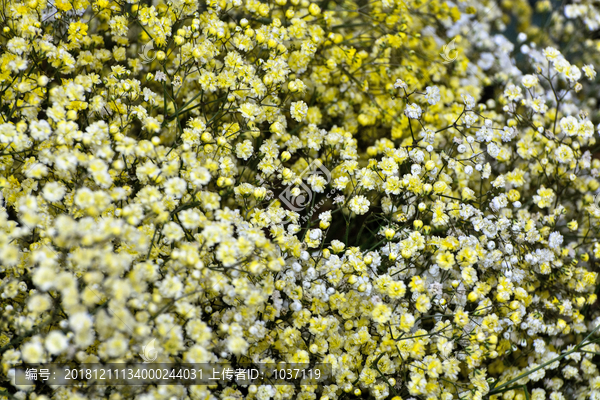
(206, 137)
(42, 81)
(389, 233)
(314, 9)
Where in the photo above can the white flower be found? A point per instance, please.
(237, 345)
(432, 94)
(200, 176)
(529, 81)
(589, 71)
(190, 219)
(400, 84)
(359, 204)
(413, 111)
(315, 234)
(493, 150)
(298, 110)
(325, 216)
(32, 352)
(40, 130)
(244, 149)
(537, 375)
(248, 111)
(171, 287)
(561, 65)
(469, 101)
(550, 53)
(117, 346)
(160, 76)
(499, 202)
(53, 191)
(573, 73)
(539, 345)
(555, 240)
(175, 187)
(56, 342)
(569, 125)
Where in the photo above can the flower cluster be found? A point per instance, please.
(287, 181)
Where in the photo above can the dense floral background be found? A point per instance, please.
(406, 190)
